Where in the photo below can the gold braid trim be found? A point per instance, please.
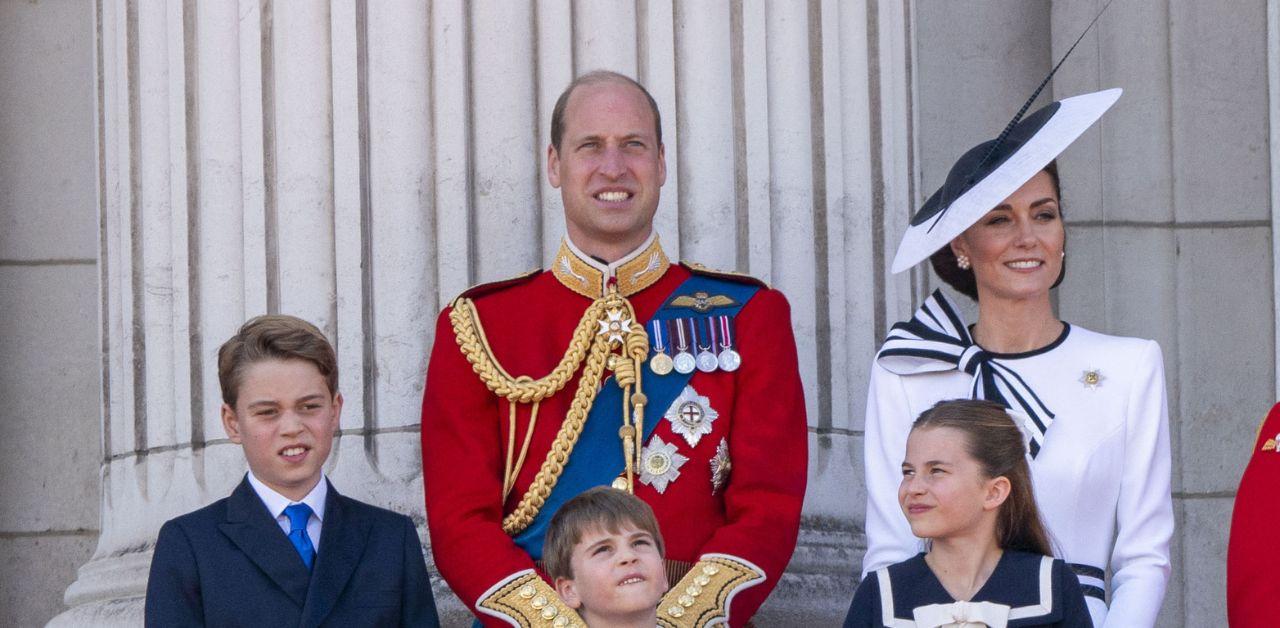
(703, 595)
(588, 343)
(530, 601)
(471, 339)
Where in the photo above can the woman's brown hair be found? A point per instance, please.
(995, 442)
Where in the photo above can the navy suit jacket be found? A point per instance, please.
(230, 564)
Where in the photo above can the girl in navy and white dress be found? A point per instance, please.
(966, 487)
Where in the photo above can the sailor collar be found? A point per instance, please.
(590, 278)
(909, 594)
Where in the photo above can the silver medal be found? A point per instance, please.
(707, 361)
(729, 360)
(684, 363)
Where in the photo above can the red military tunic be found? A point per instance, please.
(528, 322)
(1253, 574)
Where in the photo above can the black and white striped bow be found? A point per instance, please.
(936, 339)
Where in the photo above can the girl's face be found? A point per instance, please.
(1016, 248)
(944, 492)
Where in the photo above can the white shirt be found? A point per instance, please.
(1102, 477)
(276, 503)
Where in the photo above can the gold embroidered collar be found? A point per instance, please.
(590, 278)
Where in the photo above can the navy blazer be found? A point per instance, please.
(230, 564)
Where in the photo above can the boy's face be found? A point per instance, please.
(285, 418)
(618, 577)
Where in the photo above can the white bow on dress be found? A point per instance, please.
(962, 615)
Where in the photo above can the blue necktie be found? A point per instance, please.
(298, 515)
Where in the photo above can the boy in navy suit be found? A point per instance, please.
(285, 549)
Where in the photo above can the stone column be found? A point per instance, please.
(358, 163)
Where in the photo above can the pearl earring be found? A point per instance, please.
(963, 262)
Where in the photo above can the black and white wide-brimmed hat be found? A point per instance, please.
(989, 172)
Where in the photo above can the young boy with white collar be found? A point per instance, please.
(285, 548)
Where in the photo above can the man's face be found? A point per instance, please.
(618, 577)
(285, 418)
(610, 166)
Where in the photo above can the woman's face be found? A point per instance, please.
(944, 492)
(1016, 248)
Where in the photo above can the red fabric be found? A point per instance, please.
(761, 412)
(1253, 564)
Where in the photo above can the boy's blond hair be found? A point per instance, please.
(599, 508)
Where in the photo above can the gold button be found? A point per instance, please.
(561, 622)
(550, 612)
(701, 580)
(676, 611)
(527, 591)
(620, 483)
(694, 590)
(686, 601)
(710, 570)
(539, 602)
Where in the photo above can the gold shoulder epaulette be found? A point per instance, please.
(699, 269)
(703, 595)
(493, 286)
(530, 602)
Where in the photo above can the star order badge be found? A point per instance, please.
(615, 326)
(660, 464)
(720, 466)
(1092, 378)
(691, 416)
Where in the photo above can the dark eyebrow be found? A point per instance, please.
(607, 539)
(264, 402)
(937, 463)
(1007, 207)
(311, 397)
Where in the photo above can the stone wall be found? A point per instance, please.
(50, 441)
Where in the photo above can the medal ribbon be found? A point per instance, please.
(726, 333)
(658, 344)
(683, 343)
(936, 339)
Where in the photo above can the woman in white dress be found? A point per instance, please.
(1093, 406)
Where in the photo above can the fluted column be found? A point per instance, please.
(358, 163)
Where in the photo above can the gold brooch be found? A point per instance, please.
(1092, 378)
(1271, 443)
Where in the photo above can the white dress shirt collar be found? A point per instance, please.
(276, 503)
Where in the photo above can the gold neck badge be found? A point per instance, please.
(590, 278)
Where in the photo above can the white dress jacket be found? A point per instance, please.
(1101, 476)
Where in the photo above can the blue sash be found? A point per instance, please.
(597, 457)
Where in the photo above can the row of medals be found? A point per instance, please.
(687, 332)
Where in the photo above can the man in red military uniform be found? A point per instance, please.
(616, 367)
(1253, 581)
